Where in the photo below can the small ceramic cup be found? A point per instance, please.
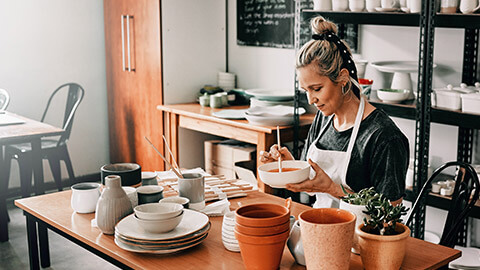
(339, 5)
(149, 194)
(185, 202)
(149, 178)
(204, 100)
(192, 186)
(436, 188)
(216, 101)
(84, 197)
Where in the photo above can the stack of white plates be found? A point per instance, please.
(271, 94)
(272, 116)
(470, 259)
(228, 235)
(255, 102)
(191, 231)
(226, 80)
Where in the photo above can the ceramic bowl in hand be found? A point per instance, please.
(393, 95)
(293, 171)
(159, 226)
(158, 211)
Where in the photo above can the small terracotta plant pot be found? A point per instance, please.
(262, 215)
(327, 237)
(263, 231)
(262, 252)
(382, 251)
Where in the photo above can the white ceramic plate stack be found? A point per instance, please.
(226, 81)
(191, 231)
(255, 102)
(228, 236)
(272, 116)
(271, 94)
(470, 259)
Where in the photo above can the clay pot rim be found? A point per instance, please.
(328, 224)
(262, 240)
(383, 238)
(268, 231)
(262, 222)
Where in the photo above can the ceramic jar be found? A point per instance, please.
(358, 211)
(113, 205)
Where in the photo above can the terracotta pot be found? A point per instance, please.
(382, 251)
(261, 252)
(327, 237)
(263, 231)
(262, 215)
(358, 211)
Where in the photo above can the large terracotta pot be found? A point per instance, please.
(382, 251)
(263, 231)
(262, 215)
(327, 236)
(358, 211)
(261, 252)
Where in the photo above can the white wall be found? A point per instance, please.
(44, 44)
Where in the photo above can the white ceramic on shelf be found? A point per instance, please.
(339, 5)
(393, 95)
(322, 5)
(159, 225)
(158, 211)
(192, 221)
(230, 114)
(356, 6)
(279, 180)
(271, 94)
(471, 103)
(371, 5)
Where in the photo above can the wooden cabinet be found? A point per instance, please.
(134, 80)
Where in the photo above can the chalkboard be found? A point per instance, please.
(268, 23)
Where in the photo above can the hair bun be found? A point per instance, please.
(320, 26)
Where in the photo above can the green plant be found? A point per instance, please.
(360, 198)
(383, 216)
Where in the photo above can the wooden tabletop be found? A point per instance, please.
(55, 210)
(196, 111)
(29, 129)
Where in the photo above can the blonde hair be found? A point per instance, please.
(324, 54)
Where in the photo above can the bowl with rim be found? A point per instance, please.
(161, 225)
(158, 211)
(176, 199)
(393, 95)
(262, 215)
(293, 171)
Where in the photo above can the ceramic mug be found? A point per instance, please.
(84, 197)
(357, 6)
(370, 5)
(322, 5)
(448, 6)
(468, 6)
(390, 3)
(327, 237)
(339, 5)
(415, 6)
(149, 194)
(192, 186)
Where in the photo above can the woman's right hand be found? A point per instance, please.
(274, 154)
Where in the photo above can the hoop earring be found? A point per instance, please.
(343, 90)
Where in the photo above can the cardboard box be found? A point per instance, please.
(221, 158)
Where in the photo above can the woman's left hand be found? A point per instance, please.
(320, 183)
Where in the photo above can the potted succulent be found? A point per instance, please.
(356, 203)
(382, 237)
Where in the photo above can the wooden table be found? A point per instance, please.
(54, 211)
(29, 132)
(195, 117)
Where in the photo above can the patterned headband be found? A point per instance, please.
(346, 56)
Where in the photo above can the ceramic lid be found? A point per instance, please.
(464, 88)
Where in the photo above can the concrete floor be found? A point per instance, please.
(63, 253)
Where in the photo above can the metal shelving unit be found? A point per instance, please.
(420, 110)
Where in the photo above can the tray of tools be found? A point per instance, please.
(216, 187)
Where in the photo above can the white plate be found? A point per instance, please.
(192, 221)
(185, 238)
(470, 258)
(230, 114)
(255, 102)
(157, 251)
(274, 111)
(269, 120)
(397, 66)
(271, 94)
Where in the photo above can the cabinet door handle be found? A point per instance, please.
(128, 42)
(123, 43)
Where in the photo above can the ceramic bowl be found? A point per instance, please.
(159, 226)
(287, 176)
(176, 199)
(130, 173)
(262, 215)
(158, 211)
(393, 95)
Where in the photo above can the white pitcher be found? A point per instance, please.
(468, 6)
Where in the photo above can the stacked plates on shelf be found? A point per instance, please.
(272, 116)
(226, 81)
(271, 94)
(470, 259)
(255, 102)
(191, 231)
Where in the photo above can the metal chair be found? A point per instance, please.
(464, 197)
(54, 149)
(4, 99)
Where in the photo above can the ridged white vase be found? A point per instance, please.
(113, 205)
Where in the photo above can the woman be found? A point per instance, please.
(350, 143)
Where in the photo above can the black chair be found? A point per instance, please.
(464, 197)
(4, 99)
(54, 149)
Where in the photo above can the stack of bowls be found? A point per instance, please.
(228, 235)
(158, 217)
(261, 231)
(226, 81)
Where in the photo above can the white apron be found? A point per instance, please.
(334, 163)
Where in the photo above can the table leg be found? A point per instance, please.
(3, 198)
(264, 141)
(32, 241)
(37, 166)
(44, 248)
